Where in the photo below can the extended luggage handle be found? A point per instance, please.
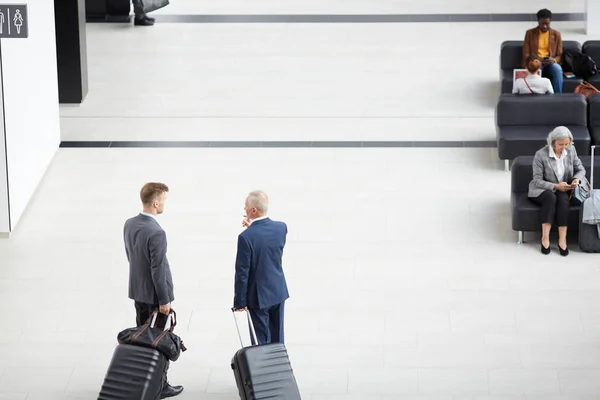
(253, 337)
(592, 171)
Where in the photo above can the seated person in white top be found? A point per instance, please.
(533, 83)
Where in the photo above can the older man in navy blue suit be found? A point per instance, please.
(260, 285)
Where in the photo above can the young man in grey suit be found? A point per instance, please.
(150, 280)
(260, 285)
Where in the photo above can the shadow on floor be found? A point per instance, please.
(490, 92)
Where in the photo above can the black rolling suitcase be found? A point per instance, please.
(135, 373)
(263, 371)
(589, 241)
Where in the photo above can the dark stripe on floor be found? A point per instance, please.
(360, 18)
(278, 144)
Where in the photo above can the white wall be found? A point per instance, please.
(30, 105)
(4, 218)
(592, 23)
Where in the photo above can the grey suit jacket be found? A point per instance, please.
(544, 170)
(150, 279)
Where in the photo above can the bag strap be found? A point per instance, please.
(152, 319)
(525, 80)
(173, 317)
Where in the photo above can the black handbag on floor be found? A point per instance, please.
(153, 5)
(149, 336)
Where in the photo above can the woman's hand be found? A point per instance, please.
(575, 182)
(562, 187)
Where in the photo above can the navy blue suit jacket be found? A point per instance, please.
(259, 278)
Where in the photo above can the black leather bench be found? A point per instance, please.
(523, 122)
(525, 213)
(592, 49)
(511, 55)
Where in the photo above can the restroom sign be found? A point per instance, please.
(14, 22)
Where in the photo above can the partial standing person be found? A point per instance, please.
(260, 285)
(150, 280)
(556, 171)
(533, 83)
(141, 18)
(546, 44)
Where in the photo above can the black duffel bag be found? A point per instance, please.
(148, 335)
(579, 63)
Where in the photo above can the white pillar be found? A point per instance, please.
(4, 212)
(592, 17)
(30, 127)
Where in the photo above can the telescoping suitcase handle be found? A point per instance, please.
(592, 171)
(253, 337)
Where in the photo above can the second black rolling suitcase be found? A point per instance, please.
(263, 371)
(135, 373)
(589, 241)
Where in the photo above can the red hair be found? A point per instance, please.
(532, 63)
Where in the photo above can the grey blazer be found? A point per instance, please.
(150, 279)
(544, 170)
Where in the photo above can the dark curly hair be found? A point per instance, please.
(544, 13)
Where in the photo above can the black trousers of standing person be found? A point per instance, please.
(138, 9)
(555, 207)
(143, 311)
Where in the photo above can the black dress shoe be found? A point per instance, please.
(564, 252)
(150, 18)
(171, 391)
(143, 22)
(546, 250)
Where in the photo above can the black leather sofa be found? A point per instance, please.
(511, 55)
(525, 213)
(523, 122)
(592, 49)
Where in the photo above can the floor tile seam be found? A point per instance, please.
(69, 380)
(269, 117)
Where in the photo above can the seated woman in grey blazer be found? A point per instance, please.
(556, 171)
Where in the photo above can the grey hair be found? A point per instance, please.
(260, 200)
(558, 133)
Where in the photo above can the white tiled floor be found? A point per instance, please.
(435, 81)
(369, 7)
(405, 284)
(406, 279)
